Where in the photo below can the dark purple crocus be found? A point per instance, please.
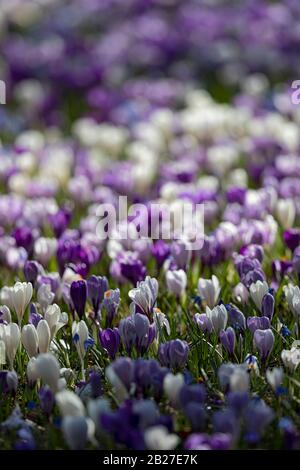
(34, 316)
(258, 323)
(292, 238)
(78, 293)
(132, 268)
(110, 341)
(59, 221)
(196, 414)
(192, 393)
(96, 287)
(267, 306)
(8, 382)
(227, 338)
(173, 354)
(264, 342)
(296, 260)
(47, 400)
(236, 318)
(24, 238)
(257, 417)
(31, 271)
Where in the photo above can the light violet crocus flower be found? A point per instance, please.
(264, 342)
(176, 282)
(158, 438)
(218, 317)
(257, 291)
(20, 296)
(209, 290)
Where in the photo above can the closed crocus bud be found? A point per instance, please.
(110, 341)
(274, 378)
(258, 323)
(181, 253)
(176, 282)
(95, 410)
(96, 287)
(173, 354)
(69, 403)
(264, 342)
(267, 306)
(291, 358)
(46, 367)
(296, 260)
(227, 339)
(80, 335)
(292, 294)
(218, 317)
(12, 381)
(209, 290)
(45, 296)
(44, 337)
(286, 212)
(203, 322)
(20, 295)
(159, 438)
(12, 337)
(77, 430)
(172, 385)
(78, 292)
(241, 293)
(30, 340)
(47, 400)
(257, 291)
(44, 249)
(31, 271)
(31, 372)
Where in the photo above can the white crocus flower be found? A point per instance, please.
(257, 291)
(144, 295)
(31, 372)
(69, 403)
(176, 282)
(161, 320)
(159, 438)
(30, 340)
(44, 249)
(45, 296)
(172, 385)
(44, 336)
(291, 358)
(292, 295)
(11, 338)
(286, 212)
(209, 290)
(47, 368)
(274, 377)
(80, 334)
(20, 296)
(77, 431)
(96, 408)
(218, 317)
(239, 380)
(55, 319)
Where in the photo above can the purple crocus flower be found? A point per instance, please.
(264, 341)
(132, 268)
(258, 323)
(110, 341)
(217, 441)
(24, 238)
(111, 304)
(47, 400)
(267, 306)
(203, 322)
(59, 221)
(31, 271)
(136, 331)
(34, 316)
(227, 338)
(258, 416)
(78, 293)
(160, 251)
(192, 393)
(96, 287)
(296, 260)
(173, 354)
(292, 238)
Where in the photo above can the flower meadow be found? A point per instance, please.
(146, 343)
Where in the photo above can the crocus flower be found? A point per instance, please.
(47, 400)
(292, 238)
(144, 295)
(267, 306)
(227, 338)
(77, 430)
(110, 341)
(218, 317)
(158, 438)
(258, 416)
(264, 341)
(291, 358)
(46, 367)
(78, 292)
(20, 296)
(258, 323)
(286, 212)
(172, 385)
(274, 378)
(11, 336)
(111, 304)
(292, 294)
(203, 322)
(136, 331)
(173, 354)
(209, 290)
(176, 282)
(69, 403)
(96, 287)
(257, 291)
